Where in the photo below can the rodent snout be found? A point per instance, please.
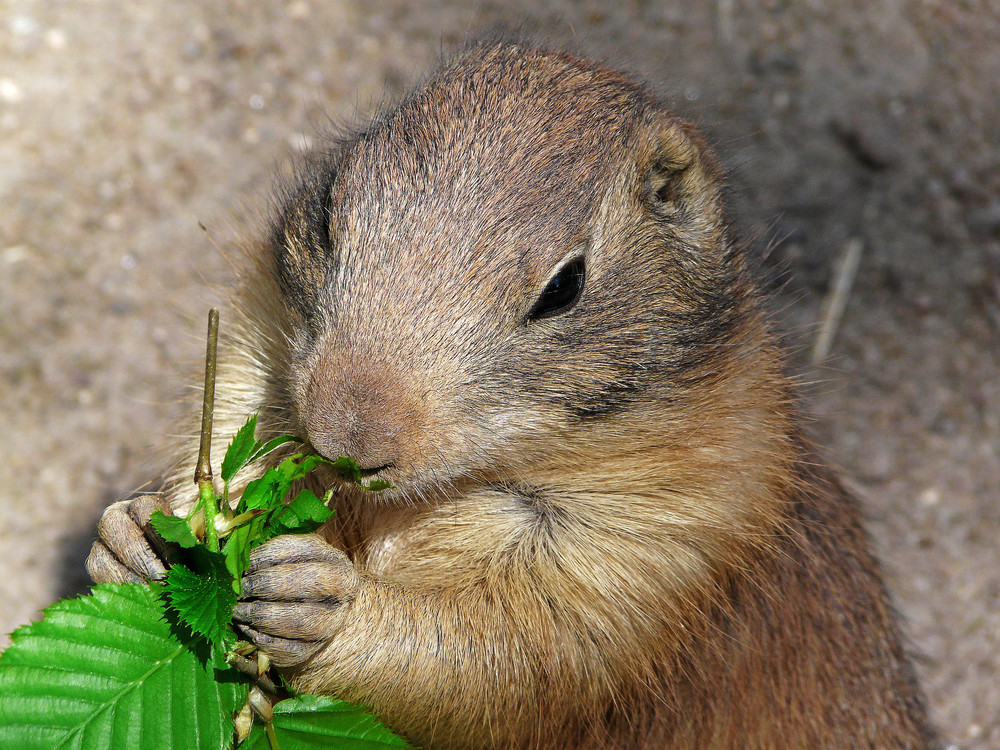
(361, 413)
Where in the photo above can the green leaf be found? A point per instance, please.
(261, 450)
(237, 549)
(108, 671)
(238, 452)
(173, 529)
(267, 492)
(303, 515)
(270, 490)
(377, 485)
(260, 493)
(203, 600)
(310, 722)
(348, 470)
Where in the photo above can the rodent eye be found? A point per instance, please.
(562, 291)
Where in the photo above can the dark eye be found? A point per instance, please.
(562, 291)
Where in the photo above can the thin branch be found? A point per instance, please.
(204, 469)
(836, 300)
(203, 472)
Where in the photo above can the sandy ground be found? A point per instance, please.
(136, 137)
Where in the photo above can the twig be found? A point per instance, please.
(836, 300)
(203, 472)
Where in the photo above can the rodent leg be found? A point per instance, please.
(295, 594)
(129, 550)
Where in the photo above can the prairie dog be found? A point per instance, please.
(514, 295)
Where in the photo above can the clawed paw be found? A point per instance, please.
(295, 595)
(128, 549)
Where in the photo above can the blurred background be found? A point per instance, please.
(138, 138)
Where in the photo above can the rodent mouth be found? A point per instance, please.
(367, 472)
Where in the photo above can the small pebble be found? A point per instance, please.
(55, 38)
(22, 25)
(930, 497)
(10, 92)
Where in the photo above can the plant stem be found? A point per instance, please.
(203, 472)
(272, 738)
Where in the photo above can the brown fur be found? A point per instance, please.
(605, 528)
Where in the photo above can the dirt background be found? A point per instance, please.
(134, 138)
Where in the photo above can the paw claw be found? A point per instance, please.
(283, 652)
(295, 548)
(129, 549)
(295, 596)
(104, 567)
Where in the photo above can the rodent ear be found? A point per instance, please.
(672, 154)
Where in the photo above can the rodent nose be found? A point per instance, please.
(357, 414)
(356, 430)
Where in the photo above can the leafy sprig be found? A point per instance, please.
(203, 589)
(149, 666)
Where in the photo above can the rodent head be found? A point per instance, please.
(501, 271)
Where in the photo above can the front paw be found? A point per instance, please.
(129, 550)
(295, 595)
